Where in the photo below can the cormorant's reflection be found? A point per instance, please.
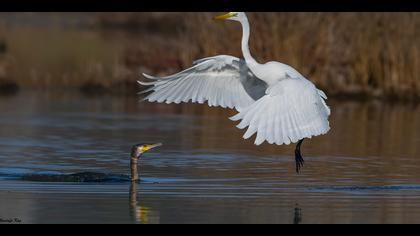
(140, 214)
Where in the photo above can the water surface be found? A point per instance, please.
(366, 170)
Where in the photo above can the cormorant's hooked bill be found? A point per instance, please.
(139, 149)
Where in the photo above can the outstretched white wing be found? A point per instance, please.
(221, 81)
(291, 110)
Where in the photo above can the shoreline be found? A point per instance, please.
(131, 89)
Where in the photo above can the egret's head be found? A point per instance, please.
(235, 16)
(139, 149)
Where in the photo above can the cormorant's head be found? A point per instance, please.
(139, 149)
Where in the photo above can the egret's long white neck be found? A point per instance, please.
(245, 46)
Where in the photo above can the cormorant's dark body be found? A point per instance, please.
(77, 177)
(93, 176)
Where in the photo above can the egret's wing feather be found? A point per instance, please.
(291, 110)
(221, 81)
(322, 94)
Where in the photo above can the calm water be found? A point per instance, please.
(366, 170)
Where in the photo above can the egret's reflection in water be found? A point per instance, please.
(298, 215)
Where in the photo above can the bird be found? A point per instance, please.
(137, 151)
(273, 100)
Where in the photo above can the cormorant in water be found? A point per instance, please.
(136, 152)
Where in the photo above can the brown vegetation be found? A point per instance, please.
(358, 55)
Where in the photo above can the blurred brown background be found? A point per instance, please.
(349, 55)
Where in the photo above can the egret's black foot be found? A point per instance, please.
(298, 157)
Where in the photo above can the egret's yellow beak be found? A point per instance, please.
(147, 147)
(226, 16)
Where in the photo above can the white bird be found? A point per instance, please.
(273, 100)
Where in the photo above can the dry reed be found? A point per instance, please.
(347, 54)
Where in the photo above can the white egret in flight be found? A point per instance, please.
(273, 100)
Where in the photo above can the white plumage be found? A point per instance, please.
(291, 110)
(274, 101)
(216, 80)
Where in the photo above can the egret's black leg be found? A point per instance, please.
(298, 157)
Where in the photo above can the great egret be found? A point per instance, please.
(273, 99)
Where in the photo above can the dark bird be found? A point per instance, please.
(136, 152)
